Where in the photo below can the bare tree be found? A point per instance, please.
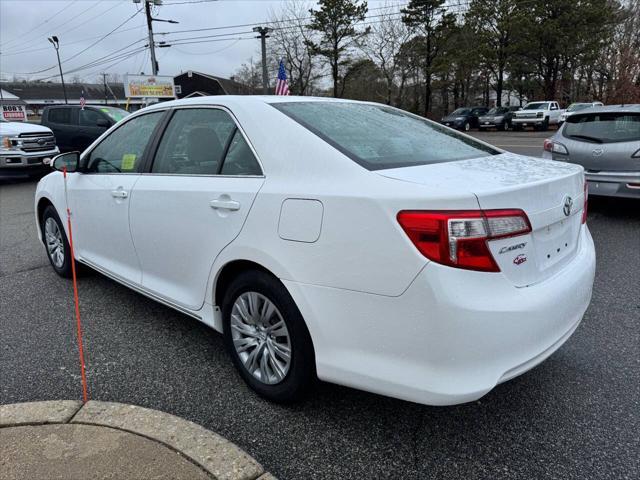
(290, 41)
(250, 74)
(383, 46)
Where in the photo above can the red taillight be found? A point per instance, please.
(586, 202)
(459, 238)
(548, 145)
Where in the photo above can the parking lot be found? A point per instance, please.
(576, 416)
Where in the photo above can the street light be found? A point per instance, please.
(56, 44)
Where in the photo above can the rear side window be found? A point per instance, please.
(604, 127)
(194, 142)
(60, 115)
(379, 137)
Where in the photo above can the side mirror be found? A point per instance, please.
(101, 122)
(70, 161)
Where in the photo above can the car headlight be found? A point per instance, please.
(459, 119)
(498, 119)
(9, 144)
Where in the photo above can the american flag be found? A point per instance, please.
(282, 87)
(82, 100)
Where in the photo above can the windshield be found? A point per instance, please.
(578, 106)
(462, 111)
(607, 127)
(116, 114)
(380, 137)
(537, 106)
(497, 111)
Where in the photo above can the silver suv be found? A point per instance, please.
(606, 142)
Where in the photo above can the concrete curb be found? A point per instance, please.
(213, 453)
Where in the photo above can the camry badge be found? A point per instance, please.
(568, 204)
(510, 248)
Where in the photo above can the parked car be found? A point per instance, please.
(606, 142)
(348, 240)
(464, 118)
(76, 128)
(574, 107)
(498, 118)
(538, 115)
(25, 148)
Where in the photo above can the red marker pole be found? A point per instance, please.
(85, 396)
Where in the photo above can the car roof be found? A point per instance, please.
(245, 100)
(632, 108)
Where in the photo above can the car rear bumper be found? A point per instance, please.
(451, 337)
(614, 184)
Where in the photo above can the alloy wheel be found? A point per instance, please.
(55, 244)
(260, 337)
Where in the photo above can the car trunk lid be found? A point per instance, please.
(550, 193)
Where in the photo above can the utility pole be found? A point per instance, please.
(152, 47)
(56, 44)
(104, 84)
(263, 31)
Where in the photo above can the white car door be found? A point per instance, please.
(100, 197)
(202, 183)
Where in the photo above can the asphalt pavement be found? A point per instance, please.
(576, 416)
(527, 142)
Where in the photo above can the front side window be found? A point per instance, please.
(204, 141)
(462, 111)
(379, 137)
(60, 115)
(121, 151)
(605, 127)
(89, 118)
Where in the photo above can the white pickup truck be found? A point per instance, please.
(538, 115)
(25, 148)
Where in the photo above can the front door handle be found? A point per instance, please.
(224, 204)
(119, 194)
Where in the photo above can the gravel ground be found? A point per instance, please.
(576, 416)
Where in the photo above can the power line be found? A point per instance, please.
(85, 49)
(53, 29)
(22, 35)
(70, 43)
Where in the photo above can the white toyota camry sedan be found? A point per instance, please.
(346, 241)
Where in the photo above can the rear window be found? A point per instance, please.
(378, 137)
(536, 106)
(606, 127)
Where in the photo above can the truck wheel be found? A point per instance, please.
(545, 125)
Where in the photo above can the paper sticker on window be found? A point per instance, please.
(128, 161)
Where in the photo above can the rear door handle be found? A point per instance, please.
(224, 204)
(119, 194)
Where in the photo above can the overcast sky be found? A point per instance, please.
(26, 24)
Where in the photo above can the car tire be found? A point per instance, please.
(270, 376)
(466, 127)
(545, 125)
(55, 242)
(505, 126)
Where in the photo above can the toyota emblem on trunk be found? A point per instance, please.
(568, 204)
